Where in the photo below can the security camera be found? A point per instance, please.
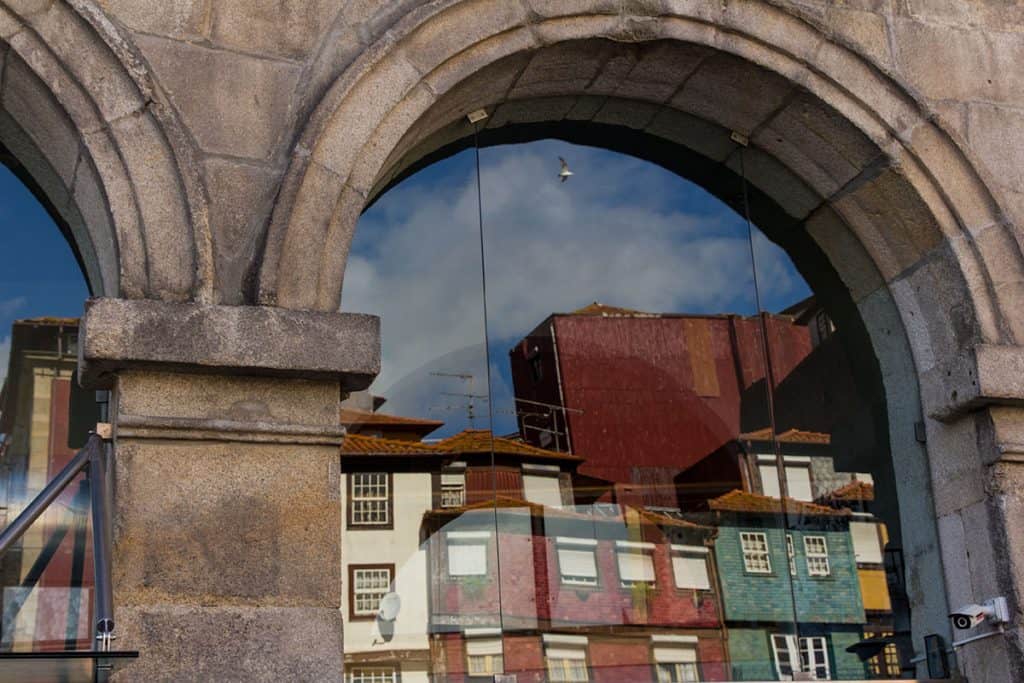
(969, 616)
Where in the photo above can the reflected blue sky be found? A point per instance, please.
(39, 275)
(621, 231)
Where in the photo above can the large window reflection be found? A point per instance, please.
(642, 475)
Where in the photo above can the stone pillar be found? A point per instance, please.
(227, 521)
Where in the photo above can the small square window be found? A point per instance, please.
(690, 567)
(369, 583)
(467, 553)
(577, 564)
(453, 490)
(484, 657)
(816, 549)
(636, 567)
(567, 664)
(756, 559)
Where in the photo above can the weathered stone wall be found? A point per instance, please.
(220, 152)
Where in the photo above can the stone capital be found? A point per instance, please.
(988, 375)
(123, 334)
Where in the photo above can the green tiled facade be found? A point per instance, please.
(833, 599)
(758, 605)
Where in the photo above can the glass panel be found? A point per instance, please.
(422, 485)
(46, 578)
(624, 338)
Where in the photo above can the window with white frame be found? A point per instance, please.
(867, 542)
(467, 553)
(676, 663)
(566, 660)
(791, 554)
(816, 549)
(798, 476)
(373, 675)
(370, 499)
(577, 563)
(690, 567)
(453, 489)
(636, 563)
(756, 559)
(795, 655)
(369, 585)
(484, 657)
(543, 489)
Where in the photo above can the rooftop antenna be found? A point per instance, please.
(470, 397)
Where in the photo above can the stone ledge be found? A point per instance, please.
(118, 334)
(990, 375)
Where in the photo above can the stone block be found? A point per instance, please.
(817, 143)
(559, 8)
(262, 526)
(946, 62)
(270, 27)
(241, 340)
(92, 63)
(452, 30)
(502, 58)
(153, 173)
(234, 104)
(659, 70)
(864, 30)
(30, 103)
(227, 643)
(180, 19)
(627, 113)
(241, 197)
(958, 479)
(778, 182)
(990, 129)
(554, 31)
(89, 198)
(846, 254)
(735, 94)
(693, 133)
(531, 111)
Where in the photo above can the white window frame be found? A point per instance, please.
(791, 554)
(372, 591)
(635, 548)
(817, 559)
(490, 656)
(376, 504)
(795, 655)
(374, 674)
(690, 552)
(675, 659)
(755, 550)
(558, 651)
(468, 538)
(577, 545)
(453, 489)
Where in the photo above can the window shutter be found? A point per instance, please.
(675, 655)
(691, 571)
(489, 646)
(566, 653)
(581, 563)
(798, 481)
(542, 490)
(636, 566)
(769, 480)
(866, 543)
(467, 559)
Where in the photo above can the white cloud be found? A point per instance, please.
(614, 233)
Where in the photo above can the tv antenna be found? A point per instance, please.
(471, 398)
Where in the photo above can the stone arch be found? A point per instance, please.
(877, 187)
(86, 127)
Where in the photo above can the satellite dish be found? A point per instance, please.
(389, 606)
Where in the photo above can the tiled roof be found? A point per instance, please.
(789, 436)
(357, 444)
(350, 416)
(855, 490)
(743, 501)
(600, 309)
(482, 441)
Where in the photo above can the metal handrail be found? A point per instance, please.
(95, 456)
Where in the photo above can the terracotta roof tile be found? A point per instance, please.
(350, 416)
(482, 441)
(600, 309)
(357, 444)
(789, 436)
(744, 501)
(855, 490)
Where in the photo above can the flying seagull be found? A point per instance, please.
(565, 172)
